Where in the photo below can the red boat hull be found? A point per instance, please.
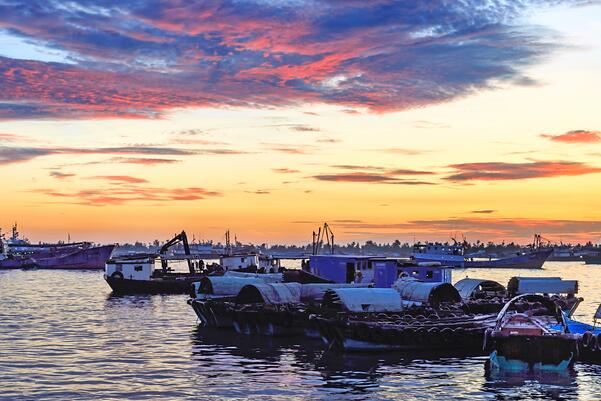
(91, 258)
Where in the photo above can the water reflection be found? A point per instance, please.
(533, 385)
(63, 336)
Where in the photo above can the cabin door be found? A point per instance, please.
(350, 272)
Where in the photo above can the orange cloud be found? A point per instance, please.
(127, 193)
(497, 171)
(365, 177)
(285, 170)
(493, 229)
(576, 136)
(120, 178)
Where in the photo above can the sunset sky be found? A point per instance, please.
(132, 120)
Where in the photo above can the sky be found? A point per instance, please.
(133, 120)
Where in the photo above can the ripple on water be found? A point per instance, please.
(64, 337)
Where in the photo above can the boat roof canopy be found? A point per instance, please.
(431, 293)
(541, 285)
(471, 287)
(270, 293)
(362, 300)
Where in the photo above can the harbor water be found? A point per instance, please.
(63, 336)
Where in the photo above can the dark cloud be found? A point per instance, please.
(60, 175)
(497, 171)
(259, 192)
(120, 178)
(496, 229)
(373, 174)
(364, 177)
(484, 211)
(9, 155)
(388, 170)
(305, 128)
(141, 59)
(285, 170)
(358, 167)
(409, 172)
(13, 154)
(328, 140)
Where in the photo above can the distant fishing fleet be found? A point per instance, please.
(19, 253)
(353, 302)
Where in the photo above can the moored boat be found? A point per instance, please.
(454, 255)
(152, 273)
(532, 340)
(592, 259)
(19, 253)
(88, 258)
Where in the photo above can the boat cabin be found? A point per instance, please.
(379, 271)
(132, 268)
(269, 264)
(542, 285)
(438, 249)
(263, 263)
(239, 261)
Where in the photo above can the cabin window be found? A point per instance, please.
(241, 259)
(429, 274)
(138, 268)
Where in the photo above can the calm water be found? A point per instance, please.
(64, 337)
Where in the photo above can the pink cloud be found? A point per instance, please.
(576, 136)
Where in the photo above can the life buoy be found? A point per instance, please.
(118, 275)
(587, 339)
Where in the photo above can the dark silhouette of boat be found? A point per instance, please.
(536, 339)
(18, 253)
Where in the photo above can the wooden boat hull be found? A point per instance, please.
(17, 263)
(554, 353)
(592, 259)
(173, 285)
(457, 334)
(93, 258)
(216, 314)
(531, 260)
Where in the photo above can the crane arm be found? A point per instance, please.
(183, 238)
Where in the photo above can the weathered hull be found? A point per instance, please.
(592, 260)
(90, 258)
(532, 260)
(214, 314)
(17, 263)
(521, 352)
(181, 285)
(464, 334)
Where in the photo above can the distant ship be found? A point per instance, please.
(592, 259)
(566, 253)
(22, 246)
(19, 253)
(454, 255)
